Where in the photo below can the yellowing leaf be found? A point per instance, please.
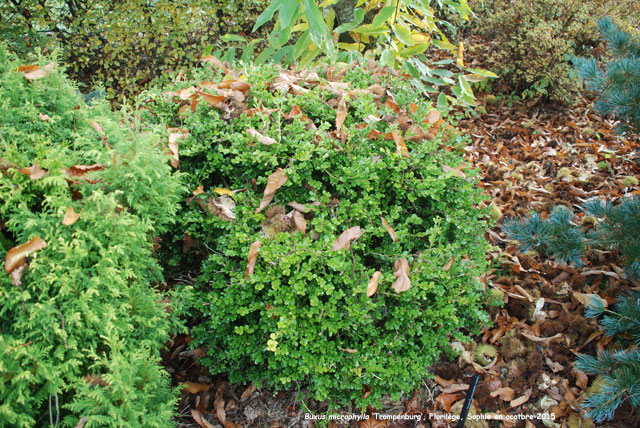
(223, 191)
(17, 255)
(252, 258)
(274, 182)
(392, 233)
(460, 56)
(70, 217)
(345, 238)
(401, 147)
(372, 287)
(402, 282)
(262, 138)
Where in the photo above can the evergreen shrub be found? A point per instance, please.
(302, 314)
(80, 324)
(533, 40)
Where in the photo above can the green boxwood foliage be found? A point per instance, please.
(533, 40)
(81, 329)
(124, 44)
(304, 316)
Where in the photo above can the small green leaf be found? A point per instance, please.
(403, 34)
(482, 72)
(318, 30)
(388, 58)
(288, 9)
(383, 16)
(442, 103)
(267, 14)
(233, 38)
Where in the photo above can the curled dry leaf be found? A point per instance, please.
(216, 101)
(505, 394)
(252, 258)
(402, 282)
(582, 380)
(222, 207)
(262, 138)
(444, 401)
(33, 72)
(80, 170)
(456, 171)
(218, 404)
(16, 273)
(199, 191)
(194, 388)
(70, 217)
(521, 400)
(274, 182)
(17, 255)
(236, 85)
(373, 283)
(300, 222)
(298, 207)
(247, 392)
(175, 135)
(341, 114)
(44, 117)
(542, 339)
(345, 238)
(200, 420)
(447, 265)
(392, 232)
(401, 147)
(34, 172)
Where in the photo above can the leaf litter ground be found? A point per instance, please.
(530, 157)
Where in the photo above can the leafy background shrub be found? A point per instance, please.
(123, 45)
(303, 314)
(532, 41)
(80, 325)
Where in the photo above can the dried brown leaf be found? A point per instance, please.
(44, 117)
(456, 171)
(401, 147)
(175, 135)
(34, 172)
(341, 114)
(216, 101)
(345, 238)
(81, 422)
(236, 85)
(402, 282)
(585, 299)
(70, 217)
(274, 182)
(392, 232)
(300, 222)
(447, 265)
(80, 170)
(432, 117)
(200, 420)
(444, 401)
(194, 388)
(250, 390)
(199, 191)
(252, 258)
(262, 138)
(17, 255)
(211, 59)
(521, 400)
(505, 394)
(218, 404)
(542, 339)
(298, 207)
(372, 287)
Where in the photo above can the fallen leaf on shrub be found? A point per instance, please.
(298, 207)
(402, 283)
(175, 135)
(17, 255)
(274, 182)
(341, 114)
(34, 172)
(262, 138)
(250, 390)
(345, 238)
(33, 72)
(392, 233)
(200, 420)
(199, 191)
(194, 388)
(505, 394)
(70, 217)
(95, 380)
(401, 147)
(432, 117)
(81, 422)
(252, 258)
(300, 222)
(223, 191)
(446, 400)
(521, 400)
(211, 59)
(585, 299)
(44, 117)
(236, 85)
(447, 168)
(373, 283)
(582, 380)
(80, 170)
(216, 101)
(447, 265)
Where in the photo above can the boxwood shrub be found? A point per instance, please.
(302, 315)
(80, 325)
